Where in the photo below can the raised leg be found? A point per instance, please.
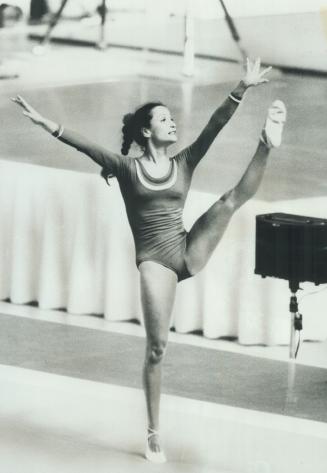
(210, 227)
(158, 287)
(207, 231)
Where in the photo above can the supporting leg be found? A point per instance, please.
(158, 286)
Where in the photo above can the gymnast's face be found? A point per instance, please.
(162, 126)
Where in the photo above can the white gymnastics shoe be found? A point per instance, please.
(272, 131)
(154, 457)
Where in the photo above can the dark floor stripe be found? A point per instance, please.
(197, 373)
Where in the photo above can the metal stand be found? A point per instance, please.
(101, 44)
(236, 37)
(188, 69)
(53, 23)
(296, 318)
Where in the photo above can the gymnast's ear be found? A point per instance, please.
(145, 132)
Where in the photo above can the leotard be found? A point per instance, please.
(155, 206)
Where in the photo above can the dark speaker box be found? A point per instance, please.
(291, 247)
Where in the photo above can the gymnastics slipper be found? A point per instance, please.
(273, 129)
(154, 457)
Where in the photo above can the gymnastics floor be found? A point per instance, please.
(62, 407)
(71, 398)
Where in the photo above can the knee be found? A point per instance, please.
(234, 199)
(230, 201)
(156, 352)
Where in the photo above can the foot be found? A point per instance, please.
(39, 50)
(272, 131)
(153, 451)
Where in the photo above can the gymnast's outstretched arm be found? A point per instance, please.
(254, 76)
(106, 159)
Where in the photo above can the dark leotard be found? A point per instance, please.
(155, 206)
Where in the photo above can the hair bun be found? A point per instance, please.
(127, 119)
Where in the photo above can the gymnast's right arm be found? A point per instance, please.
(100, 155)
(253, 77)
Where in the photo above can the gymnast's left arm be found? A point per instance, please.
(254, 76)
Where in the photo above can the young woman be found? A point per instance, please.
(154, 187)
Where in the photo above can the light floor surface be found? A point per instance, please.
(51, 422)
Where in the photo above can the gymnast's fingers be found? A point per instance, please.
(25, 104)
(20, 101)
(265, 71)
(257, 65)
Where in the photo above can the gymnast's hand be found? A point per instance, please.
(253, 75)
(29, 111)
(35, 116)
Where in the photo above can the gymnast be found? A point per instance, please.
(154, 187)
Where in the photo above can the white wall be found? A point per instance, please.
(200, 8)
(237, 8)
(212, 9)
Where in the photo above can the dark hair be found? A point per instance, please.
(132, 130)
(133, 124)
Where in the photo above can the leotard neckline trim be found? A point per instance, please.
(153, 183)
(155, 180)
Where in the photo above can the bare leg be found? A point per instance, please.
(158, 287)
(210, 227)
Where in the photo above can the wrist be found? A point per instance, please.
(239, 91)
(43, 123)
(58, 131)
(245, 84)
(49, 126)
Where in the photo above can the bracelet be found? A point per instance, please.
(231, 96)
(59, 132)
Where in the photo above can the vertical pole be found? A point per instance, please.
(294, 309)
(188, 68)
(292, 336)
(102, 43)
(291, 397)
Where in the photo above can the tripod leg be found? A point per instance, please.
(53, 23)
(236, 37)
